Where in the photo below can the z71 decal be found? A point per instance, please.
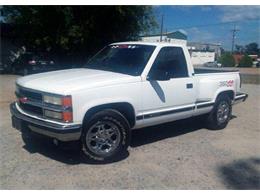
(229, 83)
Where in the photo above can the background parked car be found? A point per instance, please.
(256, 63)
(29, 63)
(6, 62)
(1, 68)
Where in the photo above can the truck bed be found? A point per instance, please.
(213, 70)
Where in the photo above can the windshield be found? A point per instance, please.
(127, 59)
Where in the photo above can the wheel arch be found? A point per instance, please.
(125, 108)
(228, 92)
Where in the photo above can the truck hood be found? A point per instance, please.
(66, 81)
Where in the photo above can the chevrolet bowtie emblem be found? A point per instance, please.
(23, 99)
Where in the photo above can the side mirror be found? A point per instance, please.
(159, 75)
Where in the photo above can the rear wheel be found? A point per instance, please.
(221, 113)
(106, 135)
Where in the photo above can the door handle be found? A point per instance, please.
(189, 85)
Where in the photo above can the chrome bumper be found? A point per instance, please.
(240, 97)
(60, 132)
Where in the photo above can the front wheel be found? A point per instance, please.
(106, 135)
(221, 113)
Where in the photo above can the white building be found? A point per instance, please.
(201, 53)
(201, 57)
(178, 37)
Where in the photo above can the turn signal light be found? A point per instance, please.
(67, 116)
(67, 101)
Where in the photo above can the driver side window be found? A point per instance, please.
(171, 61)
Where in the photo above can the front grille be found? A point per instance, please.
(31, 109)
(33, 96)
(31, 102)
(30, 94)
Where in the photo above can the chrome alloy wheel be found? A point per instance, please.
(103, 137)
(222, 112)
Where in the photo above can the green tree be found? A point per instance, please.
(227, 60)
(78, 31)
(252, 48)
(246, 61)
(240, 49)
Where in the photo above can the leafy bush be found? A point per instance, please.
(246, 61)
(227, 60)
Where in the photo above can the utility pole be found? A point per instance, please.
(234, 31)
(161, 29)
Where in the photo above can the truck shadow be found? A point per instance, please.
(70, 153)
(159, 132)
(242, 174)
(67, 153)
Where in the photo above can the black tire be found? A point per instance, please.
(119, 122)
(213, 121)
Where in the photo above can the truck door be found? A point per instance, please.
(168, 92)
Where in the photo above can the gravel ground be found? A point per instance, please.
(182, 155)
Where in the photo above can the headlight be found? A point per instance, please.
(63, 110)
(52, 100)
(64, 116)
(53, 114)
(56, 100)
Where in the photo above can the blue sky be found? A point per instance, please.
(213, 23)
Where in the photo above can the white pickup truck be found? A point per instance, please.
(125, 86)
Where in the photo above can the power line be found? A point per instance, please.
(215, 24)
(234, 31)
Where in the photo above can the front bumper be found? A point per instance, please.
(240, 97)
(60, 132)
